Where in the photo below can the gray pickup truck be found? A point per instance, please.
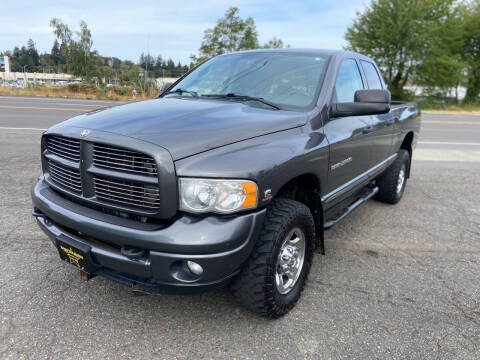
(230, 176)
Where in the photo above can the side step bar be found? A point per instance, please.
(349, 209)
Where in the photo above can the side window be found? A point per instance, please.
(348, 81)
(373, 80)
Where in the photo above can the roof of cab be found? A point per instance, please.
(320, 52)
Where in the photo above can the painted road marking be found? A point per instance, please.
(446, 155)
(17, 128)
(39, 108)
(448, 143)
(70, 104)
(448, 112)
(450, 122)
(71, 100)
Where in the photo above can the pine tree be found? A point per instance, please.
(32, 54)
(55, 53)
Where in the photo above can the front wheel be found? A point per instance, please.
(272, 280)
(392, 182)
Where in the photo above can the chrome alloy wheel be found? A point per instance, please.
(401, 179)
(290, 261)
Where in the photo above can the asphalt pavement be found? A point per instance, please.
(398, 282)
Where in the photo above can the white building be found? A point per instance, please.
(26, 77)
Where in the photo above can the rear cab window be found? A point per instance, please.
(371, 74)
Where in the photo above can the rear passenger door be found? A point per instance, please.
(381, 125)
(349, 137)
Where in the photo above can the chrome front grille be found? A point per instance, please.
(64, 176)
(63, 147)
(115, 158)
(128, 193)
(108, 175)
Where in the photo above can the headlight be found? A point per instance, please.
(220, 196)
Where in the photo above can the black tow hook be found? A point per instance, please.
(36, 213)
(133, 253)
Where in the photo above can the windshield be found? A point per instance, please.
(283, 79)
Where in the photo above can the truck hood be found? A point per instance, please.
(188, 126)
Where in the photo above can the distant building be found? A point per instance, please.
(7, 76)
(5, 63)
(420, 91)
(162, 80)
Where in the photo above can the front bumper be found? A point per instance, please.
(221, 245)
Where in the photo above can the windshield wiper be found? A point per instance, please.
(244, 97)
(182, 91)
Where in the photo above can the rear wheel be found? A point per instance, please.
(392, 182)
(272, 280)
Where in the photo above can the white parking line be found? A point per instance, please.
(446, 155)
(17, 128)
(448, 143)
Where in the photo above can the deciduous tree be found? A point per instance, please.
(406, 37)
(471, 50)
(274, 43)
(80, 59)
(231, 33)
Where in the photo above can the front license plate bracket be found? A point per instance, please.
(76, 253)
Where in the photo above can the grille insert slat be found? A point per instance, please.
(128, 200)
(120, 155)
(64, 168)
(121, 168)
(64, 147)
(67, 144)
(121, 191)
(118, 159)
(125, 158)
(118, 183)
(127, 192)
(63, 153)
(154, 201)
(65, 177)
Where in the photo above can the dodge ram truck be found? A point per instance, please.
(230, 176)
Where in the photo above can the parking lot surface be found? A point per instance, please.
(397, 282)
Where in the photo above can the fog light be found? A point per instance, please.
(194, 267)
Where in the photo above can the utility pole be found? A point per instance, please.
(24, 76)
(147, 59)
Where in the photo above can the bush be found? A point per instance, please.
(89, 89)
(75, 88)
(121, 91)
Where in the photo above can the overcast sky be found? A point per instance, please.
(174, 28)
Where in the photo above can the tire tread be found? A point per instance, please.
(253, 287)
(387, 182)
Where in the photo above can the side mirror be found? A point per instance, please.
(366, 102)
(164, 87)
